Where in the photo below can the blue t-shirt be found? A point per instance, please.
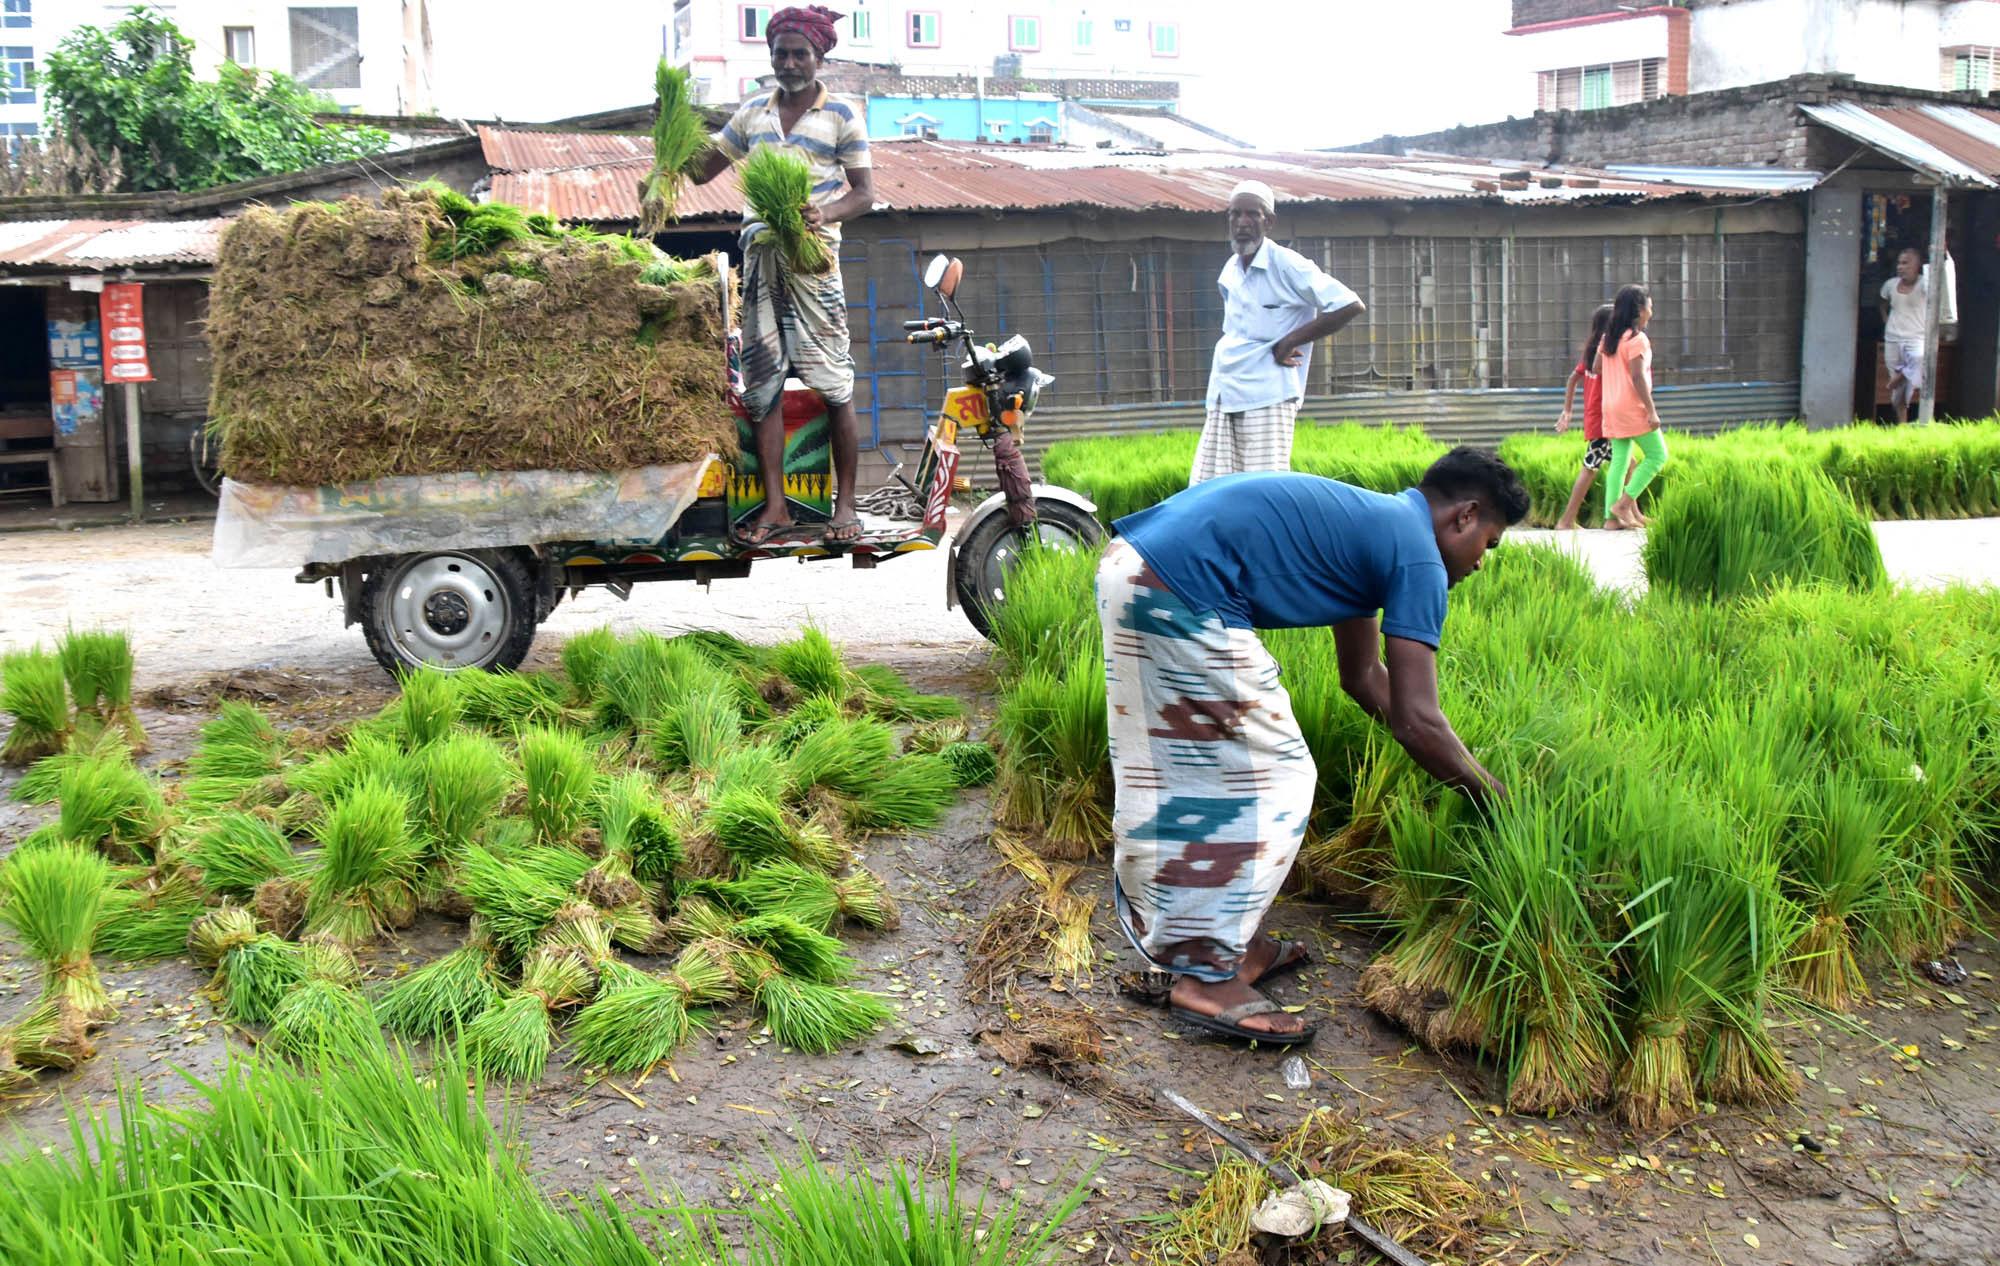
(1281, 550)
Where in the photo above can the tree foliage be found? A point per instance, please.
(133, 90)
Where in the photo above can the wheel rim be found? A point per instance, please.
(446, 609)
(993, 569)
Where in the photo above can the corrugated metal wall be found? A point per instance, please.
(1457, 417)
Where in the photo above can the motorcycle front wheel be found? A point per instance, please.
(990, 550)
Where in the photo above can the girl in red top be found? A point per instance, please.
(1597, 449)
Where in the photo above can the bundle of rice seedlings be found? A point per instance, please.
(778, 184)
(847, 756)
(910, 795)
(751, 824)
(429, 707)
(636, 825)
(882, 692)
(645, 675)
(812, 897)
(698, 730)
(642, 1019)
(41, 1037)
(809, 665)
(233, 852)
(109, 805)
(679, 138)
(484, 229)
(31, 689)
(817, 1018)
(321, 1023)
(150, 919)
(584, 659)
(511, 1038)
(365, 756)
(1422, 977)
(935, 736)
(1837, 862)
(440, 998)
(561, 778)
(254, 970)
(1719, 536)
(1055, 743)
(237, 762)
(42, 781)
(280, 901)
(506, 702)
(516, 896)
(798, 949)
(98, 666)
(364, 881)
(51, 897)
(463, 779)
(788, 728)
(1050, 614)
(972, 764)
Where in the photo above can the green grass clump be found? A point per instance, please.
(32, 692)
(50, 897)
(439, 999)
(1718, 535)
(640, 1022)
(365, 880)
(810, 664)
(429, 707)
(463, 779)
(41, 1037)
(1050, 616)
(680, 137)
(584, 659)
(797, 949)
(778, 185)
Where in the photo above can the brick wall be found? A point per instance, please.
(1530, 12)
(1757, 126)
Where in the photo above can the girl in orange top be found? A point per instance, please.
(1625, 367)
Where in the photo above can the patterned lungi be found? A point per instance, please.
(1214, 782)
(793, 325)
(1254, 439)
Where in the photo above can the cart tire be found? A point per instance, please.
(989, 550)
(451, 610)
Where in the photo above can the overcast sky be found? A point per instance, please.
(1309, 75)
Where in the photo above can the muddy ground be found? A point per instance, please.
(1887, 1157)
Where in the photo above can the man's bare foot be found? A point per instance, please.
(1566, 525)
(1211, 998)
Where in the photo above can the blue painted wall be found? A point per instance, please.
(972, 119)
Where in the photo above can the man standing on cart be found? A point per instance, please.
(797, 325)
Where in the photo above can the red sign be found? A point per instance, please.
(124, 315)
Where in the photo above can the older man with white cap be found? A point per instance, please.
(1276, 304)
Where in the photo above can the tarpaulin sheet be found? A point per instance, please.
(259, 525)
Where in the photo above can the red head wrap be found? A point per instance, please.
(815, 22)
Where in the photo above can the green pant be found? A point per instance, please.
(1654, 447)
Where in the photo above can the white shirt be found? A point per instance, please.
(1909, 313)
(1280, 291)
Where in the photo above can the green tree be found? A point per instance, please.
(132, 89)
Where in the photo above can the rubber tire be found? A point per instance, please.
(996, 535)
(515, 583)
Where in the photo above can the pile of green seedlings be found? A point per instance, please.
(1711, 806)
(365, 1160)
(1938, 472)
(692, 798)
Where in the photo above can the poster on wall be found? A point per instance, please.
(74, 345)
(124, 315)
(76, 397)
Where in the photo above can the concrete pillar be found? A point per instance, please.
(1833, 297)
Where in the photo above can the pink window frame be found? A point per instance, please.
(742, 9)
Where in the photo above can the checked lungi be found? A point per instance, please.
(1253, 439)
(1214, 781)
(792, 324)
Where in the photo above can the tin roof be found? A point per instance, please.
(97, 245)
(1954, 145)
(919, 175)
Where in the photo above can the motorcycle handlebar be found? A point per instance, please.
(926, 323)
(929, 336)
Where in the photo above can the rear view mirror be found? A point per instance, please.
(934, 272)
(953, 272)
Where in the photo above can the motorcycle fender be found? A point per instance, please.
(997, 504)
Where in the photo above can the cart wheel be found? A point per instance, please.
(989, 551)
(204, 459)
(474, 609)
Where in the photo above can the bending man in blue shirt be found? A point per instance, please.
(1214, 782)
(1276, 304)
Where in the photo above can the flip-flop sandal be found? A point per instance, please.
(1292, 955)
(1150, 987)
(760, 535)
(845, 532)
(1228, 1023)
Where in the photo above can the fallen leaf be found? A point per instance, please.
(1750, 1238)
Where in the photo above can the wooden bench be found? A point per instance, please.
(18, 426)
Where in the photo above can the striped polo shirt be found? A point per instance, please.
(832, 136)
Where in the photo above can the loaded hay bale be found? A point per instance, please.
(422, 335)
